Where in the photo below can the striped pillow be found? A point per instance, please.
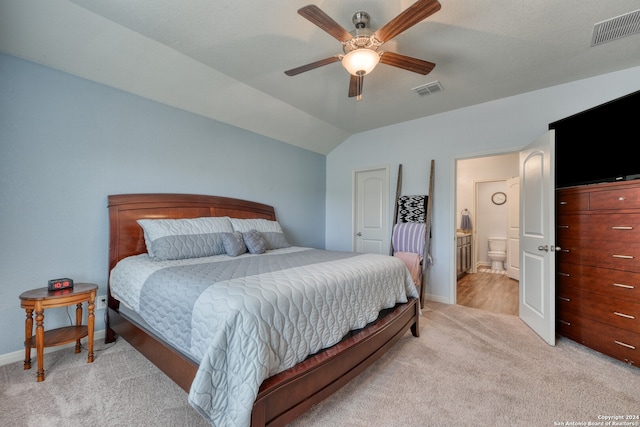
(409, 237)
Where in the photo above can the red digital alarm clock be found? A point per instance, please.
(58, 284)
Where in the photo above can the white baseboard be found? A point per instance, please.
(437, 298)
(16, 356)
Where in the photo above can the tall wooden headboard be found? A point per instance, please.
(126, 237)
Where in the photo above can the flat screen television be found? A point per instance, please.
(599, 144)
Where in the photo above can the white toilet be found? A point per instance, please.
(497, 252)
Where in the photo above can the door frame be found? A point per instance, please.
(454, 209)
(514, 211)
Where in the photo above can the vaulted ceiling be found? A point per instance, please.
(226, 59)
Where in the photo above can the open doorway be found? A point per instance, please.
(484, 213)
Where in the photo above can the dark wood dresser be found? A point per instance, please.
(598, 267)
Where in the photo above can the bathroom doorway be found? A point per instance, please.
(478, 179)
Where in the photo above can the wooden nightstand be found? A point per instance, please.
(41, 298)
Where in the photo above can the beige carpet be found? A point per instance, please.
(469, 368)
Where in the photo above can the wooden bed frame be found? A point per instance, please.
(285, 396)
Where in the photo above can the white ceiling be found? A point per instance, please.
(226, 59)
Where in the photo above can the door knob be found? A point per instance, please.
(358, 234)
(543, 248)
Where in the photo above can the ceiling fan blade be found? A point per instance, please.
(407, 63)
(407, 19)
(325, 22)
(355, 86)
(311, 66)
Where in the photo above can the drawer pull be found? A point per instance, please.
(622, 199)
(620, 285)
(564, 322)
(563, 226)
(622, 256)
(625, 345)
(565, 299)
(628, 316)
(563, 203)
(621, 227)
(564, 274)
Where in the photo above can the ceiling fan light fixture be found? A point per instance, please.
(360, 62)
(361, 46)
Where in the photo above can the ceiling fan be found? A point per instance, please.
(361, 46)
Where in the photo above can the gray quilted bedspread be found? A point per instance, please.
(250, 317)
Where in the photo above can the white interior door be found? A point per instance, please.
(513, 228)
(371, 211)
(537, 235)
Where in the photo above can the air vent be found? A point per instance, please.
(428, 88)
(616, 28)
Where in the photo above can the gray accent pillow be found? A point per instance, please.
(275, 240)
(169, 239)
(233, 243)
(270, 230)
(255, 242)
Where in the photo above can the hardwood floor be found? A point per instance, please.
(497, 293)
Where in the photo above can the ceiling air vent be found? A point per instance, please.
(428, 88)
(616, 28)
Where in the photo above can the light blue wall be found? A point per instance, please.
(500, 126)
(66, 143)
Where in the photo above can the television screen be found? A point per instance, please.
(598, 145)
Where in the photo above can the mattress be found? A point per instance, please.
(250, 317)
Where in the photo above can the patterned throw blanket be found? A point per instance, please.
(253, 316)
(412, 208)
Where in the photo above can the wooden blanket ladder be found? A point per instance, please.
(399, 216)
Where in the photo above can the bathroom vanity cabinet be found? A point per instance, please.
(463, 258)
(598, 267)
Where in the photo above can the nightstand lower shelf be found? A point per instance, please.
(61, 336)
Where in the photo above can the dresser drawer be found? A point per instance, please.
(617, 343)
(624, 256)
(601, 281)
(617, 227)
(618, 198)
(616, 312)
(574, 202)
